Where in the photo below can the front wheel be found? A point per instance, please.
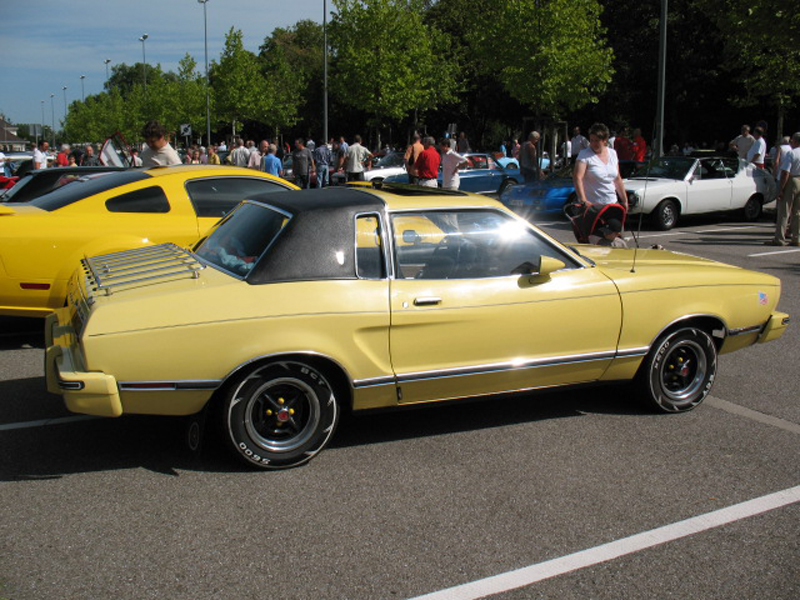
(505, 186)
(280, 415)
(678, 373)
(665, 215)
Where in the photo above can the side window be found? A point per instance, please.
(369, 250)
(217, 197)
(147, 200)
(465, 245)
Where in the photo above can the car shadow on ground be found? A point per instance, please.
(159, 444)
(19, 332)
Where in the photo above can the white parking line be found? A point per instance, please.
(599, 554)
(788, 251)
(754, 415)
(44, 422)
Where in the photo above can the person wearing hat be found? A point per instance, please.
(609, 234)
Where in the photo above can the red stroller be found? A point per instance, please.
(586, 221)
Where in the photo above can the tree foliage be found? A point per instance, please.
(387, 60)
(559, 61)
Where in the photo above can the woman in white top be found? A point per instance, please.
(596, 176)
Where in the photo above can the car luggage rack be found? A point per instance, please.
(109, 273)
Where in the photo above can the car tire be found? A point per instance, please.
(505, 185)
(679, 371)
(752, 208)
(279, 415)
(665, 215)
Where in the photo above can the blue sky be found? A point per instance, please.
(48, 44)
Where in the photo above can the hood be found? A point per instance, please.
(661, 269)
(641, 183)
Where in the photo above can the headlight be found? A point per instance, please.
(633, 199)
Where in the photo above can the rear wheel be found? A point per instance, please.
(665, 215)
(280, 415)
(752, 209)
(678, 373)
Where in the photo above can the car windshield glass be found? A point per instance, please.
(85, 187)
(668, 167)
(240, 239)
(390, 160)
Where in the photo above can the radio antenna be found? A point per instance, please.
(637, 236)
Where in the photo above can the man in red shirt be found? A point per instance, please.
(639, 146)
(427, 164)
(623, 146)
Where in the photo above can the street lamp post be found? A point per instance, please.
(83, 93)
(325, 70)
(64, 89)
(53, 126)
(106, 61)
(144, 60)
(208, 88)
(42, 126)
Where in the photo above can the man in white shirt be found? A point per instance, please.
(158, 151)
(789, 196)
(40, 155)
(578, 143)
(354, 160)
(4, 170)
(240, 155)
(757, 152)
(451, 163)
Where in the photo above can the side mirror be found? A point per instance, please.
(541, 272)
(410, 236)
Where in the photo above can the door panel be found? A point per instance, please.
(460, 332)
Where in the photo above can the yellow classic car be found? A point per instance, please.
(41, 241)
(298, 305)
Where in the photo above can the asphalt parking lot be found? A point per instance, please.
(568, 495)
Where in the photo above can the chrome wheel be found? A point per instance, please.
(666, 215)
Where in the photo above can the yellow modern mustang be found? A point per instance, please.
(42, 241)
(299, 304)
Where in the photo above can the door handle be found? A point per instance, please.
(427, 301)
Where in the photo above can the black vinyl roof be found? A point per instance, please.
(330, 198)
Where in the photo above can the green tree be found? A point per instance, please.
(292, 63)
(240, 90)
(387, 60)
(549, 54)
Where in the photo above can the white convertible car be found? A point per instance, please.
(671, 186)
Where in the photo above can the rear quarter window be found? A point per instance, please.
(217, 197)
(148, 200)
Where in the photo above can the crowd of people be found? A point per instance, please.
(596, 161)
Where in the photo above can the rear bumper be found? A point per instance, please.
(85, 392)
(777, 324)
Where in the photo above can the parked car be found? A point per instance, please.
(551, 194)
(300, 305)
(41, 181)
(483, 175)
(41, 240)
(672, 186)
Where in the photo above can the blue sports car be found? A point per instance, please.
(551, 194)
(483, 175)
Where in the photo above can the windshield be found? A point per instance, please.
(394, 159)
(84, 187)
(668, 167)
(241, 238)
